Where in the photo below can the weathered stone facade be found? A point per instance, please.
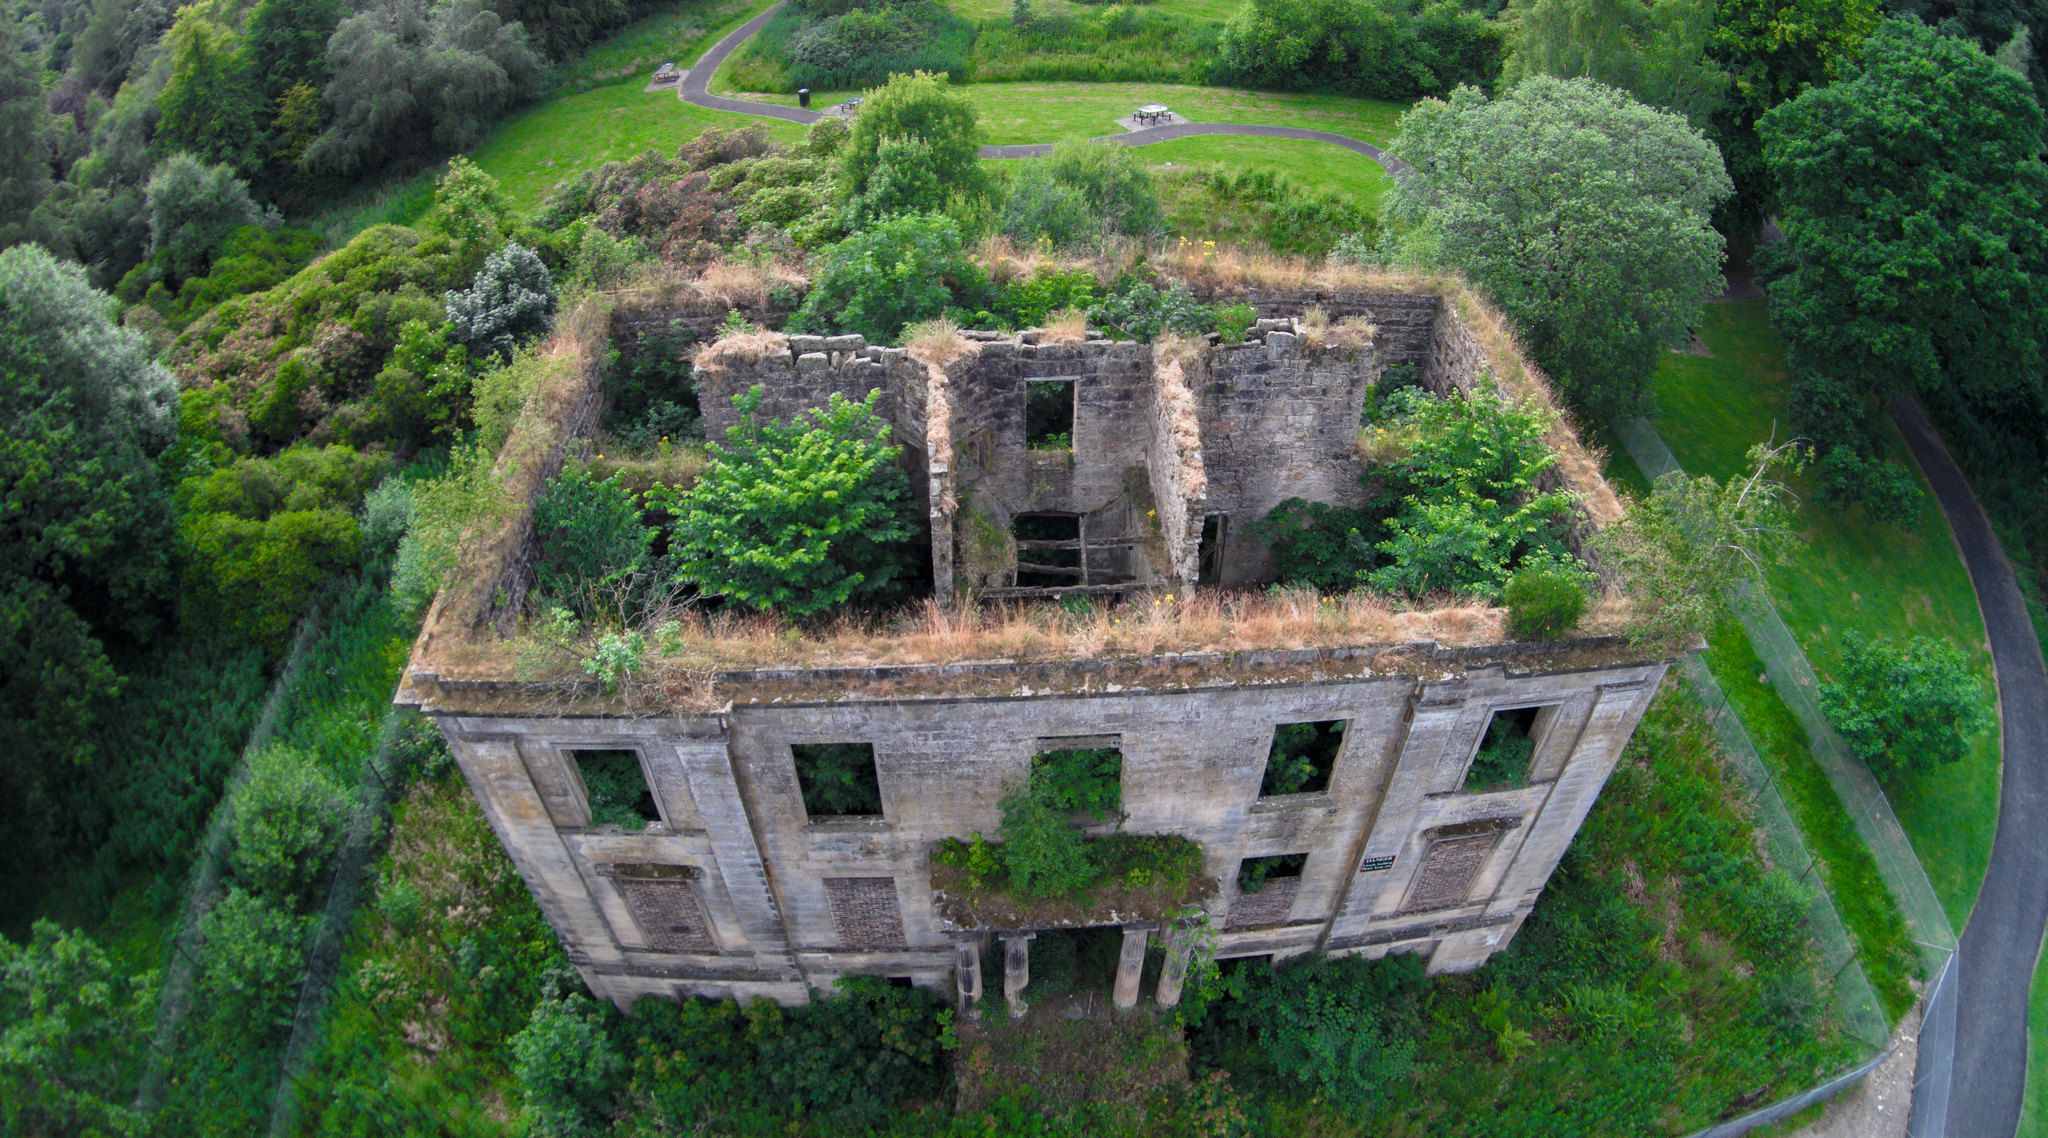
(736, 889)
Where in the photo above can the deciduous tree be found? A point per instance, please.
(1915, 209)
(797, 517)
(1905, 707)
(1583, 213)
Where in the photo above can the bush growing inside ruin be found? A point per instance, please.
(796, 517)
(1905, 707)
(1544, 600)
(286, 823)
(509, 301)
(589, 538)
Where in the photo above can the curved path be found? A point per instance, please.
(695, 89)
(1994, 962)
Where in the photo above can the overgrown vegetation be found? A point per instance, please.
(1455, 505)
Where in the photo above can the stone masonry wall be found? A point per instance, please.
(790, 901)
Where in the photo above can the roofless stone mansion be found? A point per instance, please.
(1118, 471)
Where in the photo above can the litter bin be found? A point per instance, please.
(803, 96)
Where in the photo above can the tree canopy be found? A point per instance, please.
(85, 554)
(1914, 202)
(915, 144)
(1583, 213)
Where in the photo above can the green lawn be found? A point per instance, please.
(677, 35)
(1049, 112)
(1854, 580)
(1319, 164)
(561, 139)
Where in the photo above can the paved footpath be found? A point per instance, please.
(695, 89)
(1995, 960)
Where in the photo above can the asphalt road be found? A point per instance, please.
(695, 89)
(1995, 961)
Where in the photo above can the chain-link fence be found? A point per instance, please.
(383, 778)
(181, 972)
(1791, 675)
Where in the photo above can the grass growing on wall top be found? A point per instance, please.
(1853, 580)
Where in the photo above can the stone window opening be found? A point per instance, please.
(1302, 757)
(1255, 874)
(1506, 749)
(615, 790)
(1050, 550)
(1083, 776)
(837, 780)
(1049, 414)
(1209, 561)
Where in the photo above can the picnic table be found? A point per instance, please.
(1153, 113)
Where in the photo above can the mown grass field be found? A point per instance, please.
(1854, 580)
(1049, 112)
(1318, 164)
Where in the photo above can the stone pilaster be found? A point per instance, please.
(1016, 970)
(967, 973)
(1180, 951)
(1130, 967)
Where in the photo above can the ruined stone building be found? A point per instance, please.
(1096, 467)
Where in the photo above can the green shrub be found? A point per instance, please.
(565, 1063)
(1343, 1030)
(1467, 509)
(76, 1031)
(883, 279)
(255, 953)
(1234, 321)
(286, 823)
(799, 518)
(1544, 600)
(1886, 490)
(588, 538)
(864, 46)
(1905, 707)
(1043, 853)
(915, 118)
(1140, 311)
(1357, 47)
(1081, 192)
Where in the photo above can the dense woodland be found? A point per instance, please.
(243, 450)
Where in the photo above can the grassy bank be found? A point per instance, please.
(1865, 903)
(1853, 581)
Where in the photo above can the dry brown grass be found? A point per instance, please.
(735, 284)
(743, 349)
(1320, 333)
(1067, 326)
(1139, 628)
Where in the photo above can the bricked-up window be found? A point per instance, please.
(1048, 550)
(1302, 757)
(1080, 780)
(838, 780)
(1049, 414)
(1450, 865)
(864, 911)
(1504, 753)
(616, 789)
(664, 902)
